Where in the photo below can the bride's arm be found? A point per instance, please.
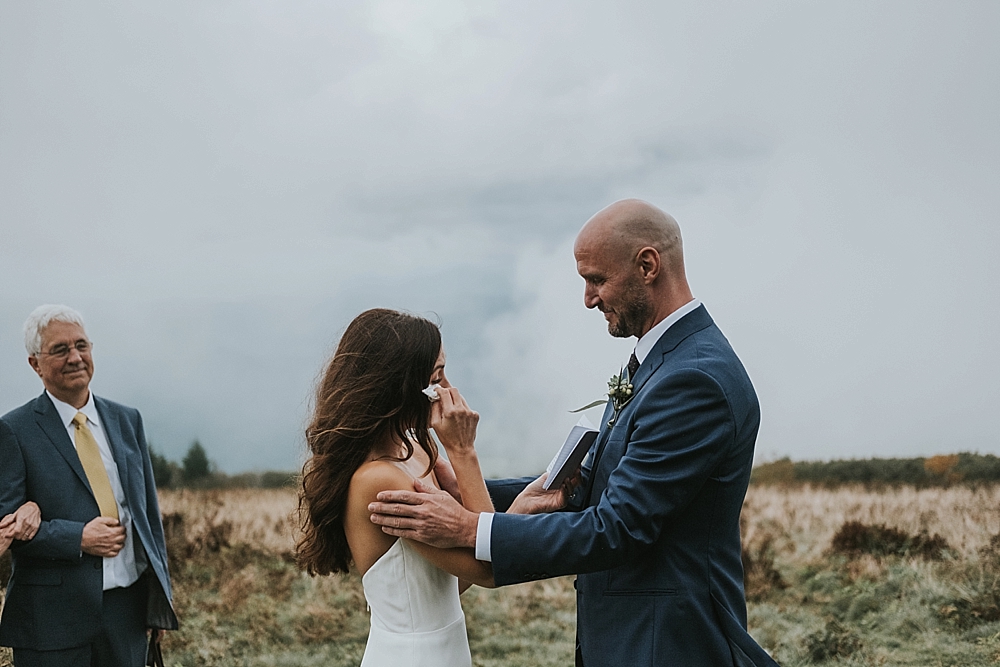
(368, 542)
(455, 424)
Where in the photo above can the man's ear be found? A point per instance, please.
(648, 260)
(33, 362)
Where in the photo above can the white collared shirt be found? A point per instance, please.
(645, 344)
(122, 570)
(484, 529)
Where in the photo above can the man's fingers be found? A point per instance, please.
(392, 509)
(405, 497)
(429, 489)
(394, 522)
(399, 532)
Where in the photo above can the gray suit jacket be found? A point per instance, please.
(54, 596)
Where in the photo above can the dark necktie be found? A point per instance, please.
(633, 366)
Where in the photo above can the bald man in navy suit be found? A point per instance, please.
(655, 538)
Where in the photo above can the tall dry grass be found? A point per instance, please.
(243, 602)
(803, 520)
(261, 518)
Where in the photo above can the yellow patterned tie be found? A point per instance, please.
(93, 465)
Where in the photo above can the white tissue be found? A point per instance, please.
(431, 392)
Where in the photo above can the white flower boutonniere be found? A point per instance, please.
(620, 391)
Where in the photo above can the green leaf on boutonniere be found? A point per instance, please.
(588, 406)
(619, 392)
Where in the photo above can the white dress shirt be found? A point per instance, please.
(484, 529)
(122, 570)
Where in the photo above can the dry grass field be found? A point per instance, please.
(915, 581)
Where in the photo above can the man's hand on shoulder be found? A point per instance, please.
(103, 537)
(426, 515)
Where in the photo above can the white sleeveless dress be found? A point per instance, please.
(416, 617)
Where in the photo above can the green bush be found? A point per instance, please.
(963, 468)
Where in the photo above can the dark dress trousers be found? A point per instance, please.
(54, 597)
(655, 541)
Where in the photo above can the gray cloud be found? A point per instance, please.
(221, 187)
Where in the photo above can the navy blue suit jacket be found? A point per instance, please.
(54, 597)
(656, 543)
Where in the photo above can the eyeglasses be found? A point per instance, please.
(62, 351)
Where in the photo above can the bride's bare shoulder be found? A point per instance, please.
(374, 476)
(366, 540)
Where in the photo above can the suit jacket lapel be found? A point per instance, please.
(48, 420)
(113, 432)
(694, 321)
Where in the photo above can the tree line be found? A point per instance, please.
(197, 471)
(943, 470)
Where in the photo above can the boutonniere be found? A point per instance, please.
(620, 392)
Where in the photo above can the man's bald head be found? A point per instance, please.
(627, 226)
(631, 256)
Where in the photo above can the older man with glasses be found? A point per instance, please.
(91, 584)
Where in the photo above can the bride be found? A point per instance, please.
(370, 433)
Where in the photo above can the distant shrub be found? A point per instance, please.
(781, 471)
(760, 577)
(195, 467)
(978, 468)
(166, 473)
(183, 543)
(833, 641)
(855, 538)
(943, 467)
(196, 471)
(942, 470)
(270, 479)
(980, 602)
(278, 480)
(965, 613)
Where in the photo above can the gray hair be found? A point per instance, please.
(42, 317)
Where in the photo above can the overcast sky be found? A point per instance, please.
(221, 187)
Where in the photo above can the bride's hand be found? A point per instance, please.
(23, 523)
(454, 422)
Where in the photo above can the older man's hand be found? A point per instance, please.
(426, 515)
(103, 537)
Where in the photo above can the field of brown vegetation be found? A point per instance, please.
(843, 576)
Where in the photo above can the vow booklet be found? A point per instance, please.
(569, 456)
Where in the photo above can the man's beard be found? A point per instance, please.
(635, 311)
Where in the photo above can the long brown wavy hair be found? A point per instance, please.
(370, 394)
